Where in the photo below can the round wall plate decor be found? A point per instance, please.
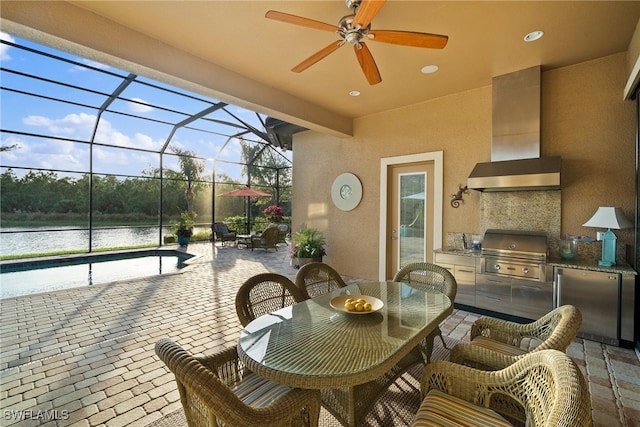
(346, 191)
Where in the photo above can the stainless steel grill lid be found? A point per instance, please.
(522, 244)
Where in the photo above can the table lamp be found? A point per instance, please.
(608, 217)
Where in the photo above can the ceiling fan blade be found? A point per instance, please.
(322, 53)
(409, 38)
(367, 10)
(299, 20)
(368, 65)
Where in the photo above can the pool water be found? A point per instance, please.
(42, 276)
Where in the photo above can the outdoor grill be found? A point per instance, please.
(518, 254)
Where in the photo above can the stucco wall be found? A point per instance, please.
(633, 63)
(584, 120)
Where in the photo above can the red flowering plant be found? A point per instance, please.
(273, 213)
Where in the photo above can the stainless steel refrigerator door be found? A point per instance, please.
(595, 294)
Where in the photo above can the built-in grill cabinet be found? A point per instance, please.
(513, 275)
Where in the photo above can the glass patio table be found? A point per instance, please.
(352, 358)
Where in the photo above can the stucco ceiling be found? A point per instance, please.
(485, 40)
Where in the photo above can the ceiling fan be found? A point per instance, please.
(354, 29)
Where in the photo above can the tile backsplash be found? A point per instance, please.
(522, 210)
(517, 210)
(528, 211)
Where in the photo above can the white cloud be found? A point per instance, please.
(107, 134)
(36, 121)
(105, 156)
(76, 125)
(46, 154)
(3, 47)
(91, 63)
(80, 126)
(144, 141)
(65, 161)
(139, 106)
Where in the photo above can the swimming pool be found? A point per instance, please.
(28, 277)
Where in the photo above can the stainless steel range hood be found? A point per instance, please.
(541, 173)
(515, 146)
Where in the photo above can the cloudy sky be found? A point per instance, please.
(46, 132)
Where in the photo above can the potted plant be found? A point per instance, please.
(308, 246)
(184, 227)
(273, 214)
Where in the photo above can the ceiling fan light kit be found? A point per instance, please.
(429, 69)
(353, 29)
(533, 36)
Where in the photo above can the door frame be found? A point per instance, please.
(437, 158)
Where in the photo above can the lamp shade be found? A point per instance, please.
(608, 217)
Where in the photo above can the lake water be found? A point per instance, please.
(39, 240)
(40, 276)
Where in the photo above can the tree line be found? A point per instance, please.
(45, 191)
(136, 199)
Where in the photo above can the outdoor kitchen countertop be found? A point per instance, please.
(583, 264)
(588, 264)
(458, 251)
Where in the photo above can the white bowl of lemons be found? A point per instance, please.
(356, 304)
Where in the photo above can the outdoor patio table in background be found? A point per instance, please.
(244, 240)
(311, 345)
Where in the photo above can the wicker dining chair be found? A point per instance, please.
(317, 278)
(545, 388)
(497, 343)
(219, 390)
(265, 293)
(429, 276)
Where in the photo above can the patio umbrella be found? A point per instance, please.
(420, 197)
(417, 196)
(245, 192)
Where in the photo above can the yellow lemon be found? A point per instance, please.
(361, 300)
(359, 307)
(367, 307)
(350, 306)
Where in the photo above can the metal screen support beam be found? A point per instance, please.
(114, 95)
(191, 119)
(177, 126)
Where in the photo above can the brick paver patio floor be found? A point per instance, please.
(85, 356)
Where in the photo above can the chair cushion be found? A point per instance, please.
(258, 392)
(498, 346)
(441, 409)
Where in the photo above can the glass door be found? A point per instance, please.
(412, 218)
(410, 204)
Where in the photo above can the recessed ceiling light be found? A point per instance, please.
(429, 69)
(354, 93)
(533, 36)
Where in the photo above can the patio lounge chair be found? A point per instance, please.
(429, 276)
(267, 239)
(222, 233)
(542, 389)
(219, 390)
(282, 233)
(497, 343)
